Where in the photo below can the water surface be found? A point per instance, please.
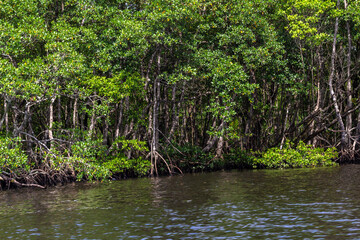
(321, 203)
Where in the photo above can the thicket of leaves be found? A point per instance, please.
(213, 78)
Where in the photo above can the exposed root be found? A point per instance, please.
(349, 156)
(8, 181)
(167, 165)
(38, 178)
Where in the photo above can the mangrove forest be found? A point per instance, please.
(110, 89)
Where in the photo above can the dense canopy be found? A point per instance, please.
(90, 87)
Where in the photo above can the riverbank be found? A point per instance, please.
(91, 161)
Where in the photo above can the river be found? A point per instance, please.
(321, 203)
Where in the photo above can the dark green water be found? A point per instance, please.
(319, 203)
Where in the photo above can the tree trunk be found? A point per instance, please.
(212, 140)
(58, 109)
(319, 100)
(51, 121)
(331, 87)
(219, 148)
(5, 117)
(183, 135)
(106, 132)
(27, 115)
(92, 122)
(155, 122)
(119, 120)
(284, 127)
(348, 84)
(220, 143)
(166, 110)
(75, 114)
(175, 110)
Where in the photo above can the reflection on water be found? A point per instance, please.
(319, 203)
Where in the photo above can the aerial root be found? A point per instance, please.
(35, 178)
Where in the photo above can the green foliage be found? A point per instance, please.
(190, 158)
(86, 169)
(89, 149)
(238, 159)
(245, 66)
(301, 156)
(12, 157)
(119, 163)
(193, 159)
(94, 161)
(90, 159)
(304, 17)
(133, 167)
(85, 160)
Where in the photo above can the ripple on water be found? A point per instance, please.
(304, 204)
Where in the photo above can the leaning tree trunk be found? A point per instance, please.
(213, 139)
(331, 87)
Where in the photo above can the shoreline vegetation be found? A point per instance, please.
(88, 163)
(95, 90)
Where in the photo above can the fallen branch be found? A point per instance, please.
(14, 181)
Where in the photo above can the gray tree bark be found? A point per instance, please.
(331, 86)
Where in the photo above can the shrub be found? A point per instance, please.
(92, 160)
(137, 166)
(88, 169)
(89, 149)
(12, 157)
(301, 156)
(118, 162)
